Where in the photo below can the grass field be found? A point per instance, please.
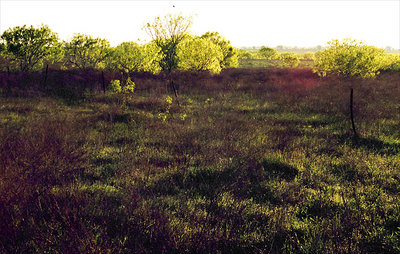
(248, 161)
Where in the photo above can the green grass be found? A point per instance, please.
(240, 166)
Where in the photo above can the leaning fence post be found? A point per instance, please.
(351, 113)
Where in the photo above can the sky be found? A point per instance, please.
(244, 23)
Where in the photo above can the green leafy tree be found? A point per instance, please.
(199, 54)
(289, 59)
(268, 53)
(167, 33)
(84, 51)
(28, 47)
(131, 57)
(229, 53)
(349, 58)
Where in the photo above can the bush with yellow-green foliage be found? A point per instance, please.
(349, 58)
(197, 54)
(289, 59)
(115, 86)
(391, 62)
(268, 53)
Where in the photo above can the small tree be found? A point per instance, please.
(84, 51)
(268, 53)
(167, 32)
(349, 58)
(130, 57)
(198, 54)
(229, 53)
(27, 47)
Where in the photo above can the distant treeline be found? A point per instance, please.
(174, 48)
(301, 50)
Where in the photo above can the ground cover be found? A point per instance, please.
(249, 161)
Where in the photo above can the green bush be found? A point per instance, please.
(267, 52)
(129, 86)
(289, 59)
(115, 86)
(349, 58)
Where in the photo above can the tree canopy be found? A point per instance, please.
(84, 51)
(229, 53)
(131, 57)
(349, 58)
(167, 32)
(199, 54)
(27, 47)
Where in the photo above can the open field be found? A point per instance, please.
(247, 161)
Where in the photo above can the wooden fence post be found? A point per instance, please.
(351, 114)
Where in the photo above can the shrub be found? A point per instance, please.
(289, 59)
(115, 86)
(129, 86)
(267, 52)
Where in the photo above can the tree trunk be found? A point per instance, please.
(173, 87)
(45, 75)
(103, 82)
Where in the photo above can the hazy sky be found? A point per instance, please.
(244, 23)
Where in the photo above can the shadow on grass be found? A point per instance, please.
(244, 180)
(372, 145)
